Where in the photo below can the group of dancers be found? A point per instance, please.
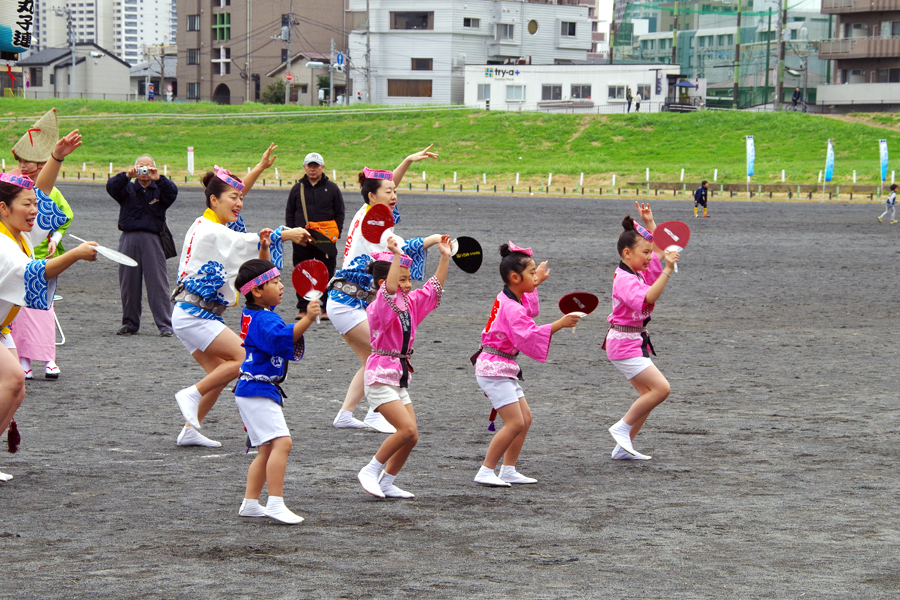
(372, 304)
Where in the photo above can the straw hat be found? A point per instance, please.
(40, 139)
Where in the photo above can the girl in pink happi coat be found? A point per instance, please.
(511, 329)
(637, 285)
(393, 317)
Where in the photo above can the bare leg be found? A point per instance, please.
(256, 474)
(12, 386)
(396, 448)
(512, 452)
(226, 347)
(277, 464)
(513, 426)
(209, 364)
(654, 389)
(358, 339)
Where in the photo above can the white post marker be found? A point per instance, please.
(4, 165)
(248, 170)
(517, 179)
(614, 181)
(782, 176)
(820, 176)
(648, 173)
(581, 181)
(423, 175)
(484, 178)
(190, 160)
(682, 174)
(892, 177)
(549, 181)
(716, 175)
(83, 167)
(454, 176)
(333, 174)
(110, 169)
(166, 170)
(854, 176)
(276, 172)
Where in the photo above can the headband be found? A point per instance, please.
(373, 174)
(647, 235)
(228, 178)
(22, 181)
(525, 251)
(405, 261)
(258, 281)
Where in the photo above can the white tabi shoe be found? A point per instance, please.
(622, 437)
(189, 403)
(5, 476)
(251, 509)
(370, 483)
(516, 477)
(376, 421)
(491, 480)
(190, 437)
(346, 420)
(619, 454)
(392, 491)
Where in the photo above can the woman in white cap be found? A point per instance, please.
(349, 291)
(35, 330)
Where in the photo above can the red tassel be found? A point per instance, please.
(13, 439)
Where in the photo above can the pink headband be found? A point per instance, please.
(526, 251)
(405, 261)
(373, 174)
(23, 181)
(228, 178)
(647, 235)
(258, 281)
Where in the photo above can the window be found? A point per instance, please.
(644, 91)
(532, 27)
(52, 79)
(37, 76)
(412, 88)
(581, 92)
(223, 60)
(647, 44)
(707, 40)
(484, 91)
(193, 22)
(567, 29)
(515, 93)
(412, 20)
(193, 91)
(422, 64)
(471, 23)
(725, 40)
(883, 76)
(617, 92)
(551, 92)
(193, 56)
(304, 88)
(504, 31)
(222, 27)
(891, 29)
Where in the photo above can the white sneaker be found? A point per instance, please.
(283, 514)
(623, 438)
(189, 405)
(251, 510)
(619, 454)
(190, 437)
(516, 477)
(490, 479)
(376, 421)
(346, 420)
(370, 482)
(392, 491)
(5, 476)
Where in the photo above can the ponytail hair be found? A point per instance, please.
(379, 271)
(630, 237)
(512, 262)
(213, 186)
(368, 185)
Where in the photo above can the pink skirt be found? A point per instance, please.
(35, 334)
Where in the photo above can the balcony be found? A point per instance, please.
(862, 94)
(837, 7)
(598, 36)
(850, 48)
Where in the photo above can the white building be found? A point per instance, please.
(568, 88)
(417, 51)
(127, 27)
(99, 74)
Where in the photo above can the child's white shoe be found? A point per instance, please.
(488, 477)
(510, 475)
(369, 482)
(386, 483)
(621, 432)
(376, 421)
(251, 508)
(346, 420)
(5, 476)
(275, 509)
(189, 402)
(619, 454)
(190, 437)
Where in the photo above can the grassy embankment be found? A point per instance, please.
(471, 143)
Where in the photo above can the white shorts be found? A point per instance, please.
(8, 341)
(631, 367)
(345, 317)
(195, 333)
(500, 390)
(263, 419)
(379, 394)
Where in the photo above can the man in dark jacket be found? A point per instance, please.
(324, 212)
(142, 215)
(700, 198)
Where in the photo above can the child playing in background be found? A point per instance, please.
(269, 342)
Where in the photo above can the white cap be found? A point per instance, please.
(314, 157)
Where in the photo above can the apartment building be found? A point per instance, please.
(865, 53)
(414, 52)
(226, 52)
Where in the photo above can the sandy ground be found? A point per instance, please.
(774, 460)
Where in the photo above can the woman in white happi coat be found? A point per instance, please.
(27, 217)
(215, 247)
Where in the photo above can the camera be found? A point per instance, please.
(143, 170)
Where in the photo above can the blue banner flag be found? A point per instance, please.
(882, 146)
(751, 156)
(829, 162)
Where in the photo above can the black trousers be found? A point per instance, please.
(301, 253)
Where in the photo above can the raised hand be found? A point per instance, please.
(67, 144)
(645, 212)
(445, 245)
(392, 246)
(422, 155)
(542, 272)
(268, 159)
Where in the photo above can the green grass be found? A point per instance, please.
(473, 142)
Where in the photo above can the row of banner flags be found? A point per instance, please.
(829, 159)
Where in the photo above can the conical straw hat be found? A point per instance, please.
(40, 139)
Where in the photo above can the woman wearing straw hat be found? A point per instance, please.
(35, 330)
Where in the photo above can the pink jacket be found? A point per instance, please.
(392, 331)
(511, 329)
(629, 308)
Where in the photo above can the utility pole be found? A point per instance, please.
(675, 37)
(779, 74)
(248, 62)
(368, 53)
(70, 29)
(331, 76)
(737, 59)
(287, 21)
(768, 53)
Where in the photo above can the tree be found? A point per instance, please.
(273, 93)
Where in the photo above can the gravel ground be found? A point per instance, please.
(773, 471)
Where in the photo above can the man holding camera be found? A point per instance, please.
(142, 221)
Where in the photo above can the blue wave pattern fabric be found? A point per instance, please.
(355, 273)
(38, 291)
(50, 216)
(238, 225)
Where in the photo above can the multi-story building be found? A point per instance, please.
(127, 27)
(408, 52)
(865, 54)
(226, 52)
